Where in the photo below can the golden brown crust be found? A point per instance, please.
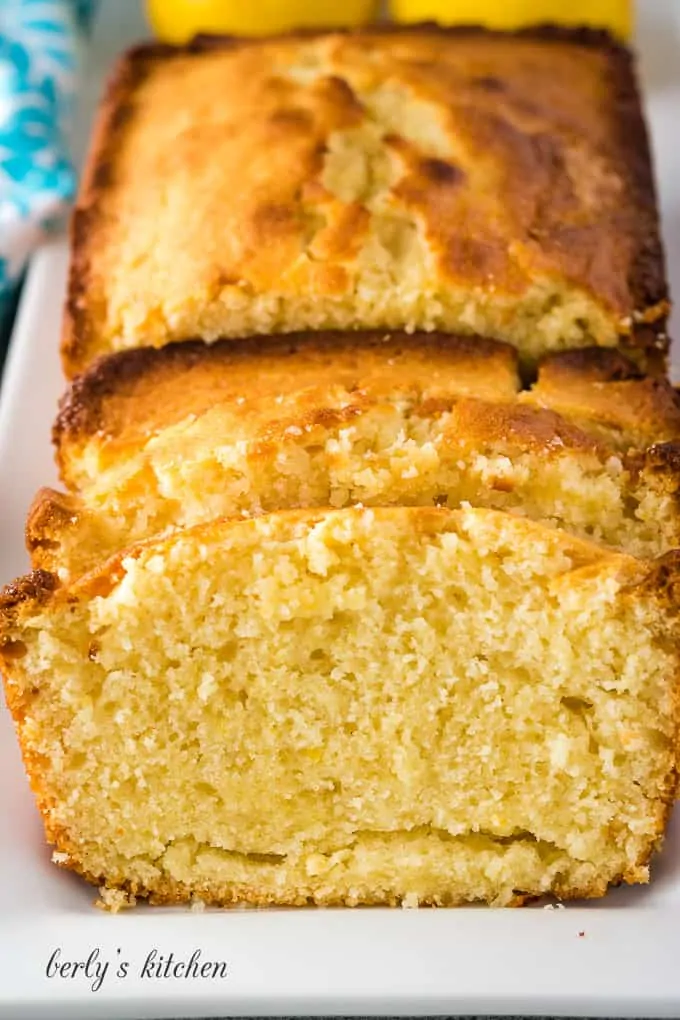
(127, 397)
(21, 597)
(550, 120)
(77, 328)
(145, 389)
(517, 428)
(591, 364)
(603, 386)
(50, 515)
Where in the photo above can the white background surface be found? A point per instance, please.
(626, 962)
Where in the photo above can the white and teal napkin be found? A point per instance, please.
(41, 44)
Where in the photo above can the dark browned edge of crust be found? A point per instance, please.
(663, 579)
(600, 364)
(665, 459)
(608, 365)
(36, 587)
(50, 513)
(80, 407)
(648, 275)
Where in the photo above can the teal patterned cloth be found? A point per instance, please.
(41, 45)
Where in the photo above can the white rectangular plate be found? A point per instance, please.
(615, 957)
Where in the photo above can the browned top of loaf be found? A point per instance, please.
(133, 393)
(266, 383)
(602, 386)
(245, 186)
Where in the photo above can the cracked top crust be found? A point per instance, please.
(262, 382)
(131, 395)
(466, 181)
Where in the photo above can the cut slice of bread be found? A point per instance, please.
(150, 440)
(351, 706)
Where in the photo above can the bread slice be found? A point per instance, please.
(462, 180)
(156, 439)
(411, 705)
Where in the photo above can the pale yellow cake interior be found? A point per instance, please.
(353, 706)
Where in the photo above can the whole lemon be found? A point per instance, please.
(616, 15)
(178, 21)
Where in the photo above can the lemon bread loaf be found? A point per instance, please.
(467, 181)
(154, 439)
(351, 706)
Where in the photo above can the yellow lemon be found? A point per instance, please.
(179, 20)
(616, 15)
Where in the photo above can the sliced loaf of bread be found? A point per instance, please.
(151, 440)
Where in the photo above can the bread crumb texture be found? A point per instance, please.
(351, 706)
